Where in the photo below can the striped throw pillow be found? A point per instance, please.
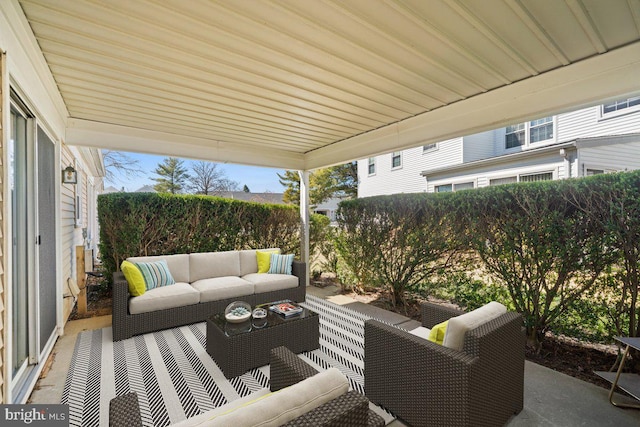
(281, 264)
(155, 274)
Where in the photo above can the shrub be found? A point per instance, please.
(140, 224)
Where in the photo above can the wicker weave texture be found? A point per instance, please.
(287, 369)
(425, 383)
(126, 325)
(125, 411)
(236, 354)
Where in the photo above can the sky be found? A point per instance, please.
(259, 180)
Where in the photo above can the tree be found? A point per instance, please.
(246, 189)
(117, 162)
(208, 179)
(324, 184)
(172, 176)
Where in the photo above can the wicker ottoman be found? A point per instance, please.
(236, 348)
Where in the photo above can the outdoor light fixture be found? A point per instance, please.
(69, 175)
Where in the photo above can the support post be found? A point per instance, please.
(81, 277)
(304, 219)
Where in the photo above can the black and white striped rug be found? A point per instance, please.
(175, 378)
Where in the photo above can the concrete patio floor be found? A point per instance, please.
(550, 398)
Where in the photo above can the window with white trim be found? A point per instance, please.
(536, 177)
(445, 188)
(505, 180)
(396, 159)
(541, 129)
(515, 136)
(429, 147)
(523, 134)
(463, 186)
(623, 105)
(372, 165)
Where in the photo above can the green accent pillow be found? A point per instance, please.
(264, 259)
(134, 278)
(437, 332)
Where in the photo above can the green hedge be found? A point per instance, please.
(140, 224)
(549, 244)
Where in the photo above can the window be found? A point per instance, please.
(396, 159)
(429, 147)
(446, 188)
(621, 104)
(541, 129)
(372, 165)
(463, 186)
(500, 181)
(515, 136)
(535, 177)
(527, 133)
(591, 172)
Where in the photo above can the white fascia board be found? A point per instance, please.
(582, 84)
(28, 69)
(123, 138)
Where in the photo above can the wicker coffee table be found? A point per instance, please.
(238, 347)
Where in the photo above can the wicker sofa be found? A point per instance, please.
(206, 284)
(341, 407)
(425, 383)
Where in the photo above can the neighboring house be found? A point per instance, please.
(329, 208)
(110, 189)
(593, 140)
(146, 189)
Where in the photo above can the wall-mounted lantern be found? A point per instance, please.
(69, 175)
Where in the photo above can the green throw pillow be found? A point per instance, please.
(264, 259)
(134, 278)
(437, 332)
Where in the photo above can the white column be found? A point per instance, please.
(304, 219)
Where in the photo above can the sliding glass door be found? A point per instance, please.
(19, 241)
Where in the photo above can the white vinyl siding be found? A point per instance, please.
(479, 146)
(611, 158)
(449, 153)
(587, 123)
(387, 180)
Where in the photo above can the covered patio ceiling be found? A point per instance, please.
(302, 84)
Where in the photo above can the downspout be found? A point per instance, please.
(304, 219)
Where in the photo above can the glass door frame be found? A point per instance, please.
(18, 379)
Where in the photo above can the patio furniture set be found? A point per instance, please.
(475, 377)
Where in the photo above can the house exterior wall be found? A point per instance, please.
(482, 175)
(23, 66)
(610, 158)
(584, 123)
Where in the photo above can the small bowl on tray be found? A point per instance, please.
(237, 312)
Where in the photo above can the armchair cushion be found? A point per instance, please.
(459, 325)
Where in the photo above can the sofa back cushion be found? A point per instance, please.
(178, 265)
(249, 261)
(208, 265)
(458, 326)
(287, 404)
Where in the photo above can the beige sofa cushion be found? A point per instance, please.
(218, 288)
(200, 420)
(178, 265)
(176, 295)
(271, 282)
(213, 264)
(287, 404)
(249, 262)
(459, 325)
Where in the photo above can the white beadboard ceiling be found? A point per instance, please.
(302, 84)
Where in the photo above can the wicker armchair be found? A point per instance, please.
(424, 383)
(349, 409)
